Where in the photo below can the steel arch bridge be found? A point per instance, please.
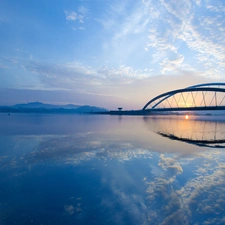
(209, 96)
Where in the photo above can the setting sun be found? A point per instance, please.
(186, 117)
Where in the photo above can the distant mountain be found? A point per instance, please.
(49, 108)
(45, 106)
(87, 108)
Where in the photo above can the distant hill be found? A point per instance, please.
(34, 105)
(49, 108)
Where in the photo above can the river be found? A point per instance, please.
(101, 169)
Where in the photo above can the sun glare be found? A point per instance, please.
(186, 117)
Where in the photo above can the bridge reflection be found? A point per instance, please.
(207, 133)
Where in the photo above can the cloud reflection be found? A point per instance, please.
(125, 143)
(146, 175)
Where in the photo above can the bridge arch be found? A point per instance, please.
(208, 96)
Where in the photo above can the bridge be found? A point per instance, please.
(209, 96)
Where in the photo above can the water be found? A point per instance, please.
(93, 169)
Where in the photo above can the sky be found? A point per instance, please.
(108, 53)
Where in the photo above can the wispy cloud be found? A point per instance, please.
(71, 15)
(124, 31)
(175, 22)
(69, 74)
(77, 18)
(172, 64)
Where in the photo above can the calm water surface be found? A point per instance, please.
(85, 169)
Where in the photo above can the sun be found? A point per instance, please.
(186, 117)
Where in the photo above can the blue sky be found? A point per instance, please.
(108, 53)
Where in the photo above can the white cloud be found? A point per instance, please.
(180, 9)
(77, 17)
(202, 35)
(207, 48)
(217, 6)
(70, 16)
(171, 64)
